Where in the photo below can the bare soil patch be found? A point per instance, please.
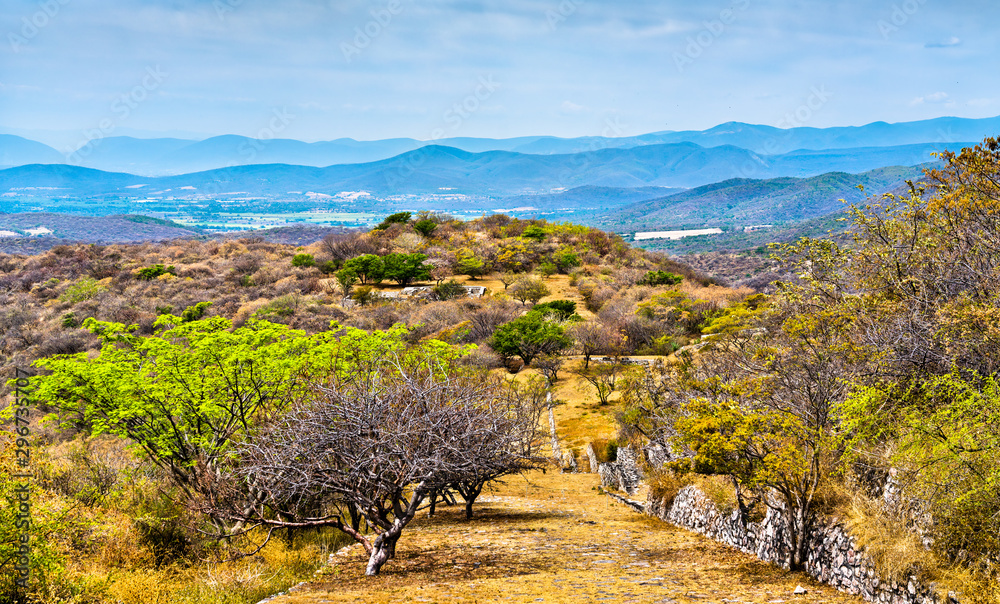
(554, 538)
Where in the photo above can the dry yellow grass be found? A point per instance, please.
(553, 538)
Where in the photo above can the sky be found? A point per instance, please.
(426, 69)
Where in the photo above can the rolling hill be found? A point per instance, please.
(745, 202)
(172, 156)
(436, 169)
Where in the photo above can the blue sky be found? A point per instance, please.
(325, 69)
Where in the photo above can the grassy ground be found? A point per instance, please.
(554, 538)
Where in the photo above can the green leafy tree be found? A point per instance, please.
(760, 408)
(182, 395)
(563, 309)
(467, 263)
(369, 268)
(528, 289)
(406, 268)
(655, 278)
(535, 233)
(529, 336)
(329, 267)
(565, 259)
(84, 289)
(347, 278)
(547, 269)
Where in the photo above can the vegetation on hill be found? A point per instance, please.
(160, 366)
(866, 385)
(210, 399)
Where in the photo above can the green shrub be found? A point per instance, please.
(449, 289)
(282, 306)
(152, 272)
(397, 218)
(303, 260)
(193, 313)
(84, 289)
(660, 278)
(564, 309)
(535, 233)
(565, 260)
(425, 227)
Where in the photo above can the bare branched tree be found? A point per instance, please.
(378, 440)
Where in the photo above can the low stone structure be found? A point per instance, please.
(623, 473)
(833, 558)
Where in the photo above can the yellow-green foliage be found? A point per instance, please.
(664, 484)
(84, 289)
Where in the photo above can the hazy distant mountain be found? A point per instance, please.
(17, 151)
(770, 141)
(436, 169)
(747, 202)
(169, 156)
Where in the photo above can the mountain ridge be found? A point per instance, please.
(172, 156)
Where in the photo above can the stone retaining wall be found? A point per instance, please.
(833, 558)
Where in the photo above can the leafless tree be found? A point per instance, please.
(378, 441)
(344, 246)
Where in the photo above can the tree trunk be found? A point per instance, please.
(556, 453)
(471, 498)
(383, 549)
(797, 526)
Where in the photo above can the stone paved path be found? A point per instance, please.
(554, 538)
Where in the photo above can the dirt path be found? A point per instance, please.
(553, 538)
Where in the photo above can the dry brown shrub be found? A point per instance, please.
(248, 264)
(722, 296)
(268, 275)
(665, 484)
(231, 248)
(246, 311)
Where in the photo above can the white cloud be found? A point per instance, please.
(952, 41)
(571, 108)
(935, 97)
(982, 102)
